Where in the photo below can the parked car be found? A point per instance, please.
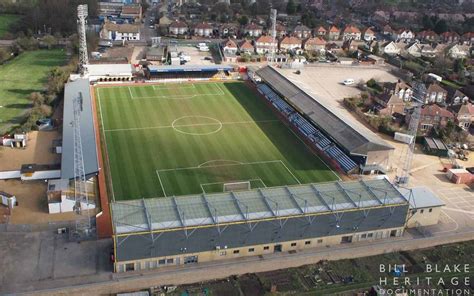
(348, 81)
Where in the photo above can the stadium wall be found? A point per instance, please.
(142, 251)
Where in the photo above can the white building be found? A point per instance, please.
(111, 31)
(61, 197)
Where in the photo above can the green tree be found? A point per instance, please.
(441, 27)
(49, 40)
(291, 7)
(243, 20)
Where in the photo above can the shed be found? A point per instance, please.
(435, 146)
(460, 176)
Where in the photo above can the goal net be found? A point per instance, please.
(236, 186)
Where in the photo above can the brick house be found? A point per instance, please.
(464, 115)
(253, 30)
(432, 116)
(320, 31)
(468, 38)
(264, 44)
(334, 33)
(302, 32)
(246, 47)
(394, 98)
(369, 35)
(450, 37)
(435, 94)
(229, 46)
(315, 44)
(178, 28)
(203, 30)
(290, 43)
(351, 32)
(427, 35)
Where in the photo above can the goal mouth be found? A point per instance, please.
(236, 186)
(232, 186)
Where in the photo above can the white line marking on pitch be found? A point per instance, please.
(161, 183)
(189, 125)
(312, 152)
(290, 172)
(105, 140)
(219, 160)
(219, 165)
(130, 92)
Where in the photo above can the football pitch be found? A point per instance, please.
(191, 138)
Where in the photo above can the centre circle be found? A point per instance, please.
(196, 121)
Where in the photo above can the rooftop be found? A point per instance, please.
(266, 203)
(355, 139)
(91, 165)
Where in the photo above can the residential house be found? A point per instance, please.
(440, 49)
(458, 51)
(203, 30)
(393, 99)
(230, 47)
(228, 30)
(427, 50)
(178, 28)
(302, 32)
(405, 35)
(111, 31)
(246, 47)
(316, 44)
(351, 32)
(456, 97)
(464, 115)
(427, 35)
(253, 30)
(290, 43)
(387, 30)
(450, 37)
(164, 22)
(334, 33)
(369, 35)
(391, 48)
(352, 45)
(132, 11)
(280, 30)
(435, 94)
(264, 44)
(413, 49)
(468, 38)
(320, 31)
(432, 116)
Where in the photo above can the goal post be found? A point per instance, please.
(236, 186)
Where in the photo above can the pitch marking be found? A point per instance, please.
(190, 125)
(218, 160)
(218, 122)
(290, 172)
(161, 183)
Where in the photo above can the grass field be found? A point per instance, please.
(177, 139)
(20, 77)
(6, 20)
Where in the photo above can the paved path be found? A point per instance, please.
(107, 283)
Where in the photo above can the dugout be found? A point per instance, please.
(187, 72)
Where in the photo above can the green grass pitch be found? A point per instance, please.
(21, 76)
(189, 138)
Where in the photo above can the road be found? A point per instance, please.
(45, 264)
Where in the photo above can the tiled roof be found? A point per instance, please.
(178, 24)
(265, 39)
(203, 26)
(230, 43)
(433, 110)
(291, 40)
(301, 28)
(122, 28)
(315, 41)
(334, 29)
(351, 30)
(245, 44)
(321, 29)
(253, 26)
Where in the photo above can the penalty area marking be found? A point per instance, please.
(222, 165)
(179, 97)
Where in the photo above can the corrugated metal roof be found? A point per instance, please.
(421, 197)
(353, 138)
(187, 68)
(219, 238)
(89, 147)
(207, 209)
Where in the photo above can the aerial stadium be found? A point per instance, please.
(196, 165)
